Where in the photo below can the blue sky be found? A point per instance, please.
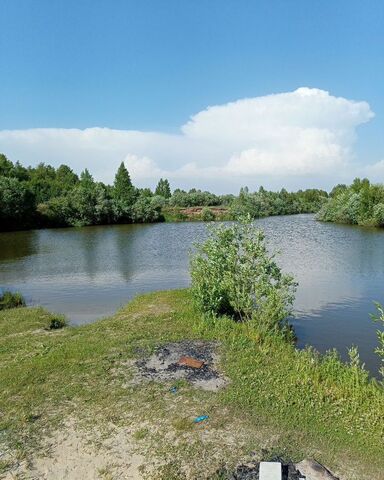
(150, 65)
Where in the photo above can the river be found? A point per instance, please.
(87, 273)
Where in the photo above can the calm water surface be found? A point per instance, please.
(88, 273)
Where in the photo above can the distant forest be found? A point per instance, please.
(44, 196)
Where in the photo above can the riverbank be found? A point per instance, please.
(73, 393)
(199, 214)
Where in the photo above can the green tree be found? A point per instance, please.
(6, 166)
(42, 181)
(65, 179)
(57, 212)
(124, 194)
(17, 205)
(163, 188)
(83, 201)
(144, 211)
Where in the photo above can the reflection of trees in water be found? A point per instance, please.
(91, 240)
(127, 248)
(15, 245)
(110, 249)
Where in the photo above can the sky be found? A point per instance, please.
(210, 94)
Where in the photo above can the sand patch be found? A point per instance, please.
(76, 454)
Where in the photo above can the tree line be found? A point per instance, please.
(361, 203)
(44, 196)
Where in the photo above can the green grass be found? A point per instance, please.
(11, 300)
(279, 400)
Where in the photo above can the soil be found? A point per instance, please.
(75, 454)
(164, 365)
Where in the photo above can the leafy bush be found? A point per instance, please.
(56, 322)
(11, 300)
(378, 214)
(143, 211)
(207, 215)
(232, 273)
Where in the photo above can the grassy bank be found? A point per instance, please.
(279, 401)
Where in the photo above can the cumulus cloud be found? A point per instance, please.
(300, 134)
(374, 172)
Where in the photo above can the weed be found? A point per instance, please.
(57, 321)
(11, 300)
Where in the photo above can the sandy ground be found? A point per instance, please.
(75, 454)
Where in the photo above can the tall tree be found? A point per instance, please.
(123, 188)
(66, 179)
(6, 166)
(163, 188)
(17, 205)
(124, 195)
(83, 201)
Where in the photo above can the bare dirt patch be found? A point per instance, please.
(167, 364)
(75, 454)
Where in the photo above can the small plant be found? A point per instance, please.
(56, 322)
(379, 317)
(11, 300)
(207, 215)
(354, 359)
(141, 434)
(233, 274)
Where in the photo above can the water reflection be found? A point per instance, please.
(15, 245)
(88, 273)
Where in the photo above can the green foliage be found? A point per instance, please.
(57, 212)
(56, 322)
(207, 215)
(124, 194)
(11, 300)
(158, 202)
(42, 182)
(380, 335)
(264, 203)
(359, 204)
(144, 211)
(6, 166)
(163, 188)
(232, 273)
(43, 196)
(83, 201)
(378, 214)
(193, 198)
(17, 204)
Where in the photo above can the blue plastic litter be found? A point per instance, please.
(173, 389)
(201, 418)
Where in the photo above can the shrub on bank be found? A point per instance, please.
(56, 322)
(11, 300)
(233, 274)
(207, 215)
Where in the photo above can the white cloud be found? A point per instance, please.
(297, 135)
(374, 172)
